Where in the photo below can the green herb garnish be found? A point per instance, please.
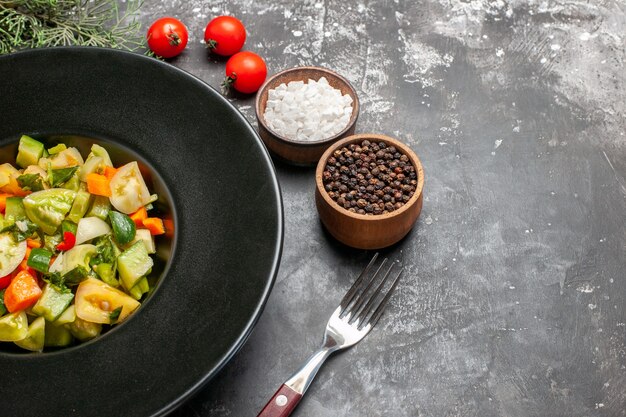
(22, 229)
(3, 309)
(115, 314)
(43, 23)
(32, 182)
(54, 278)
(59, 176)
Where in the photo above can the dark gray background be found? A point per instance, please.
(513, 301)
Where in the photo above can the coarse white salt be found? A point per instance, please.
(307, 111)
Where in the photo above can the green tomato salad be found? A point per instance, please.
(77, 241)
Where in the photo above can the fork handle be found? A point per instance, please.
(282, 403)
(291, 392)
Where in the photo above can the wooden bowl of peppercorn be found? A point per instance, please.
(369, 190)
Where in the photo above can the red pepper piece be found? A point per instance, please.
(69, 240)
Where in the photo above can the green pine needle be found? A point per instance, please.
(41, 23)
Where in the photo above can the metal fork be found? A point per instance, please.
(359, 311)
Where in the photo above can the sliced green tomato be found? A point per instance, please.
(95, 301)
(57, 336)
(93, 164)
(83, 329)
(14, 326)
(133, 264)
(128, 189)
(78, 256)
(35, 336)
(69, 157)
(11, 253)
(4, 178)
(7, 172)
(68, 316)
(47, 208)
(52, 303)
(123, 227)
(98, 150)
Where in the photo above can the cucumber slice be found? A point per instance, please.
(100, 207)
(84, 330)
(124, 228)
(57, 336)
(14, 209)
(133, 264)
(13, 327)
(29, 151)
(52, 303)
(80, 206)
(68, 316)
(56, 149)
(106, 272)
(144, 235)
(35, 336)
(140, 289)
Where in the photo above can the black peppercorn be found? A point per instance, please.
(369, 178)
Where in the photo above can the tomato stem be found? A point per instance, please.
(228, 82)
(173, 37)
(211, 44)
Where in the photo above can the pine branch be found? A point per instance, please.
(41, 23)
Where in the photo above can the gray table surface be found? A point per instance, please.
(514, 297)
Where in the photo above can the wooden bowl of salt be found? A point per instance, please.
(285, 145)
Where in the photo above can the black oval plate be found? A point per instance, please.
(229, 229)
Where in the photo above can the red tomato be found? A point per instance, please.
(246, 71)
(167, 37)
(225, 35)
(5, 281)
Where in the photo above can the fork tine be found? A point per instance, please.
(347, 299)
(359, 316)
(381, 306)
(361, 297)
